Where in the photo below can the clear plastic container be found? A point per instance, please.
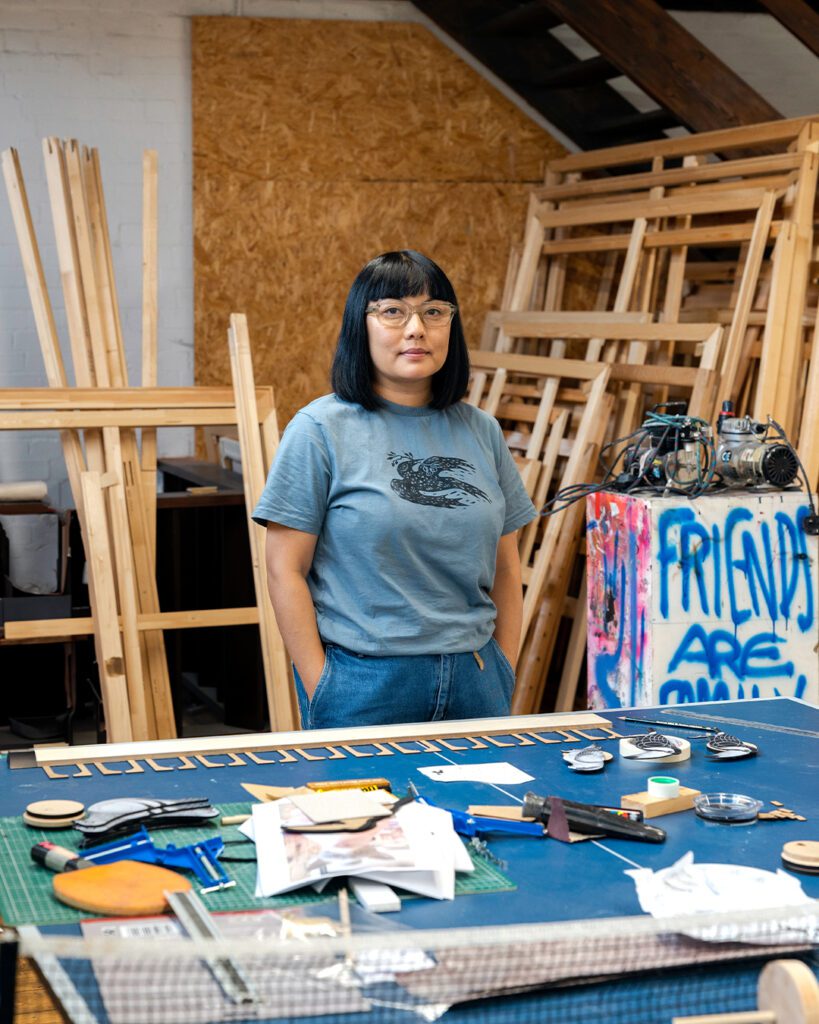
(730, 807)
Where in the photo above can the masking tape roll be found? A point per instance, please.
(663, 786)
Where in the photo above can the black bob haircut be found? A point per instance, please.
(395, 275)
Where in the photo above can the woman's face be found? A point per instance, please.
(405, 358)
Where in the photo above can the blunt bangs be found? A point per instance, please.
(395, 275)
(398, 274)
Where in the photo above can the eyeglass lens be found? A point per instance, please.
(397, 314)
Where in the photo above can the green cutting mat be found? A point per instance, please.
(25, 887)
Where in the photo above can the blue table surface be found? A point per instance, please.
(555, 881)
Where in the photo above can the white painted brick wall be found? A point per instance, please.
(115, 75)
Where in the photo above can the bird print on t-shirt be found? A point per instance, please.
(423, 481)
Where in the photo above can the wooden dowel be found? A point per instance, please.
(749, 1017)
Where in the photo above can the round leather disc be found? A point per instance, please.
(126, 888)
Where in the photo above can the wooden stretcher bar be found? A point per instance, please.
(108, 452)
(691, 203)
(33, 630)
(542, 325)
(719, 141)
(711, 235)
(539, 641)
(117, 418)
(114, 682)
(150, 318)
(281, 699)
(70, 398)
(108, 648)
(747, 168)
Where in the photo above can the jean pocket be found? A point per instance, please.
(321, 685)
(506, 664)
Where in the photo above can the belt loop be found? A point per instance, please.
(479, 660)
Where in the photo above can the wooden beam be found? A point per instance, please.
(533, 324)
(779, 131)
(110, 660)
(149, 328)
(666, 61)
(33, 630)
(749, 168)
(64, 397)
(692, 202)
(798, 18)
(92, 418)
(280, 691)
(566, 108)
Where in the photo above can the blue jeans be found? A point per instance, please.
(357, 689)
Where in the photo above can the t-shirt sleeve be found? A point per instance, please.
(519, 507)
(298, 483)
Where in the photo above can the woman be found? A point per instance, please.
(391, 510)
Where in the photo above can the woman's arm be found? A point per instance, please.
(507, 595)
(288, 556)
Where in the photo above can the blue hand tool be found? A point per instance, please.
(466, 824)
(202, 858)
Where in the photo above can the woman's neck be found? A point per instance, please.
(415, 396)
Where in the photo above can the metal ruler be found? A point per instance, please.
(766, 726)
(196, 920)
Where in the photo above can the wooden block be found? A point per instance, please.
(656, 806)
(500, 811)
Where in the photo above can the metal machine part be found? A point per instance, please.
(747, 458)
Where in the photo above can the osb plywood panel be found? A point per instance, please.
(319, 144)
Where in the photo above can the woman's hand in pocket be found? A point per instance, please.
(312, 670)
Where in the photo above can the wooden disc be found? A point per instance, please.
(126, 888)
(802, 855)
(789, 989)
(802, 851)
(47, 823)
(55, 809)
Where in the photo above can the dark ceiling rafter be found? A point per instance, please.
(514, 41)
(666, 61)
(799, 19)
(638, 39)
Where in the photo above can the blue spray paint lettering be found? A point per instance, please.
(702, 570)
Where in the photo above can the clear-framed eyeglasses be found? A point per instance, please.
(397, 313)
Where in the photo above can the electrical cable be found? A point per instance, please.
(642, 447)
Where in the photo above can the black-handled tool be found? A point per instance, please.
(592, 820)
(58, 858)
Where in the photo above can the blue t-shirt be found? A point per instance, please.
(408, 505)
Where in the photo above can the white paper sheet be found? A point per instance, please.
(499, 773)
(687, 888)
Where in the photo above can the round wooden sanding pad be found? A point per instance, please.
(802, 855)
(53, 813)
